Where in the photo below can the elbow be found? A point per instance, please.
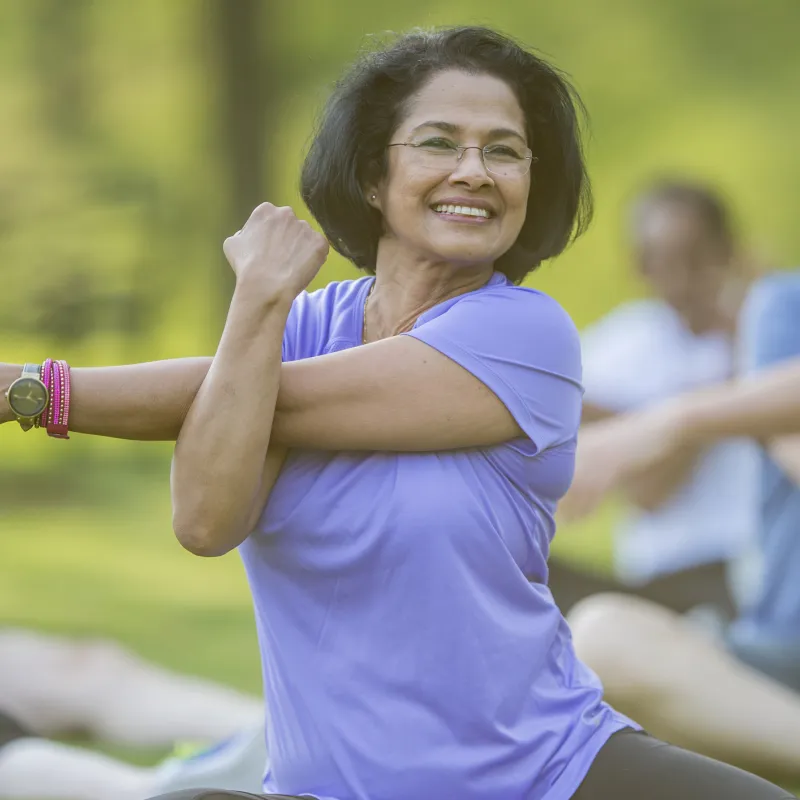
(201, 539)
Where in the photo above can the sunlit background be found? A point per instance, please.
(135, 136)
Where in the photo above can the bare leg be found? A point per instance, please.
(684, 687)
(37, 768)
(55, 685)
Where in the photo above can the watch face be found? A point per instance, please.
(27, 397)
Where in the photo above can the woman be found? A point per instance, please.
(397, 551)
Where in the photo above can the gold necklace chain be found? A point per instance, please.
(364, 321)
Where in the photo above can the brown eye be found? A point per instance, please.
(438, 144)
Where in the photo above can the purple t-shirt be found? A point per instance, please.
(410, 645)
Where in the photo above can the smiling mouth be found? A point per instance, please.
(469, 212)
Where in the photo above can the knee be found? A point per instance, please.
(599, 631)
(616, 637)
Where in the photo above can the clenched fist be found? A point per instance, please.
(276, 252)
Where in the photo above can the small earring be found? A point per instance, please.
(373, 197)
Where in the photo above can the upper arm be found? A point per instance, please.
(492, 367)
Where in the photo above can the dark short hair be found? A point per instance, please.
(348, 151)
(701, 198)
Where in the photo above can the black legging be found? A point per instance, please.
(631, 766)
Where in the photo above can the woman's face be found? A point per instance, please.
(445, 210)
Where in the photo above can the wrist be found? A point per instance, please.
(253, 296)
(8, 374)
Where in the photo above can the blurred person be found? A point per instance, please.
(685, 520)
(54, 685)
(34, 767)
(387, 453)
(735, 697)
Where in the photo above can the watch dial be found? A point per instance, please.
(27, 397)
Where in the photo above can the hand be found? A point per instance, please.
(621, 449)
(276, 251)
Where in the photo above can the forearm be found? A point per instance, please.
(594, 413)
(653, 487)
(147, 401)
(760, 406)
(221, 450)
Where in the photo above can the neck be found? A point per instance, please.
(405, 289)
(724, 314)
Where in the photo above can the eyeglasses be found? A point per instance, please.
(441, 154)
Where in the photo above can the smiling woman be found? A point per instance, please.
(393, 496)
(429, 94)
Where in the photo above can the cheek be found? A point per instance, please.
(517, 210)
(517, 199)
(404, 197)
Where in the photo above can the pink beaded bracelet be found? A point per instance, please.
(58, 422)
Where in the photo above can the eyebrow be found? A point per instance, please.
(449, 127)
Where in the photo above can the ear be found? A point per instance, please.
(372, 197)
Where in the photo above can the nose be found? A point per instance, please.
(471, 171)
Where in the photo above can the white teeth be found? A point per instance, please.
(467, 211)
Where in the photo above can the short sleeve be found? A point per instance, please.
(293, 332)
(524, 347)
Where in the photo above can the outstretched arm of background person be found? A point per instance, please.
(653, 487)
(650, 488)
(592, 412)
(762, 406)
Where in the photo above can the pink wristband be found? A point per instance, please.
(58, 426)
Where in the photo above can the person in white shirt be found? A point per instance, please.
(685, 523)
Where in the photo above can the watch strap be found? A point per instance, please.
(32, 371)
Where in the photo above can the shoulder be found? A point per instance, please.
(512, 324)
(320, 317)
(533, 308)
(331, 298)
(512, 306)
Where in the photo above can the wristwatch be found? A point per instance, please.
(28, 396)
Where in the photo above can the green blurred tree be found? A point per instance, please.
(244, 36)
